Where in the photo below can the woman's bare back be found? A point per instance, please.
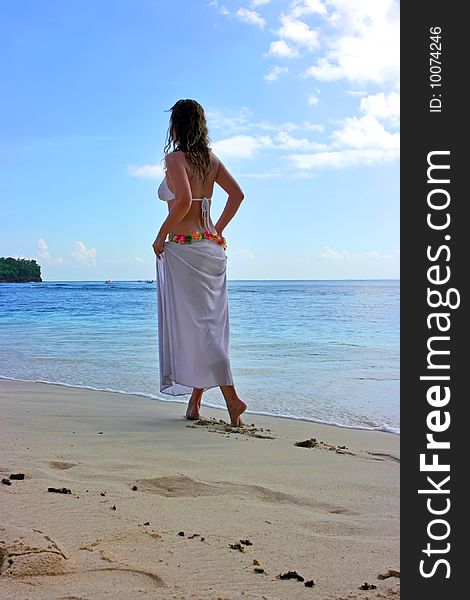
(193, 220)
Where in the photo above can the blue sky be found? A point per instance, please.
(302, 103)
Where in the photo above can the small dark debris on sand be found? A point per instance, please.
(246, 542)
(103, 493)
(134, 488)
(368, 586)
(147, 523)
(18, 476)
(291, 575)
(190, 537)
(59, 490)
(310, 443)
(6, 481)
(181, 533)
(389, 573)
(309, 583)
(237, 546)
(113, 507)
(314, 443)
(100, 432)
(220, 426)
(258, 569)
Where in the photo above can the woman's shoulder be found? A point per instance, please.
(181, 154)
(176, 157)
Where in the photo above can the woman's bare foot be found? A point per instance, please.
(194, 405)
(192, 413)
(235, 406)
(235, 409)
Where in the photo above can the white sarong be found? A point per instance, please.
(193, 317)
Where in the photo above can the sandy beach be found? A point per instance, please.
(166, 508)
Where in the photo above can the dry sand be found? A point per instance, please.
(330, 514)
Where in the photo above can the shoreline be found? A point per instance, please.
(160, 506)
(382, 428)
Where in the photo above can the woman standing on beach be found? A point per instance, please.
(193, 320)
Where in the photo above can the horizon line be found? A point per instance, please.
(252, 279)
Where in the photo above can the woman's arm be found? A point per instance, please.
(235, 197)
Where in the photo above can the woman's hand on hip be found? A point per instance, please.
(159, 245)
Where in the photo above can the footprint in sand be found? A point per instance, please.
(182, 486)
(62, 466)
(29, 552)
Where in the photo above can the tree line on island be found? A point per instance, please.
(19, 270)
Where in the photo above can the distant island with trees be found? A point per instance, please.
(19, 270)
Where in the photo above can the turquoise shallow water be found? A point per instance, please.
(326, 351)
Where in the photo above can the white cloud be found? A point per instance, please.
(246, 146)
(382, 106)
(251, 17)
(308, 7)
(342, 158)
(329, 252)
(43, 254)
(313, 126)
(221, 8)
(359, 141)
(146, 171)
(286, 141)
(275, 72)
(84, 255)
(241, 146)
(364, 44)
(286, 126)
(298, 32)
(346, 255)
(229, 120)
(271, 174)
(281, 49)
(280, 173)
(255, 3)
(138, 259)
(357, 93)
(313, 100)
(365, 132)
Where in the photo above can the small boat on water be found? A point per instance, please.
(109, 281)
(149, 281)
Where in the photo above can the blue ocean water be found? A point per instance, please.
(325, 351)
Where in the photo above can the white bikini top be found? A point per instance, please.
(165, 194)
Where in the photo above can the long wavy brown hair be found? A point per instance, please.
(188, 123)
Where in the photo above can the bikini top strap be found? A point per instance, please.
(205, 208)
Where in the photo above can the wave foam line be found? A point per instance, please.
(382, 427)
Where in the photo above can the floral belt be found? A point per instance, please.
(180, 238)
